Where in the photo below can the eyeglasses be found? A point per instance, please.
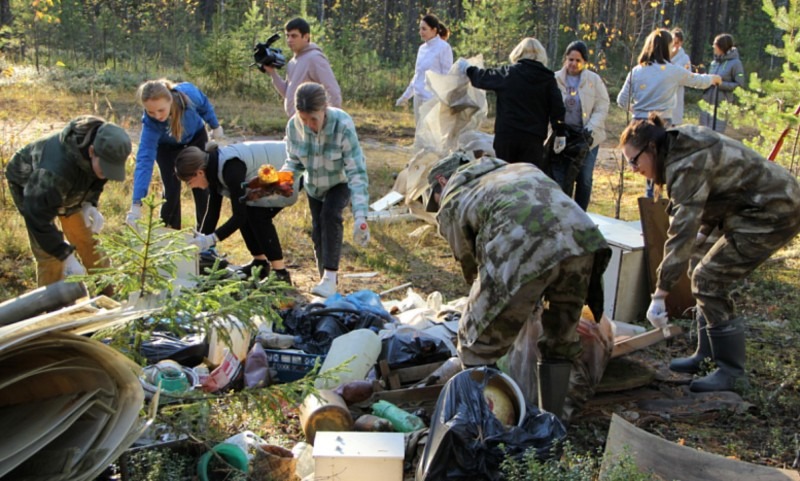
(634, 162)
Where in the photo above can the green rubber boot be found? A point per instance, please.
(727, 345)
(692, 363)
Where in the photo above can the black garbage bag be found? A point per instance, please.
(317, 325)
(465, 438)
(187, 351)
(413, 348)
(571, 159)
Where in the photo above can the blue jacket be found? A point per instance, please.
(155, 133)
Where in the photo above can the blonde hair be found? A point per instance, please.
(165, 89)
(529, 48)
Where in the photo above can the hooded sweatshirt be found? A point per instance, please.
(527, 97)
(308, 65)
(729, 67)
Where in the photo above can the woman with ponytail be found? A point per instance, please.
(174, 118)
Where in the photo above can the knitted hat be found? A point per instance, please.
(580, 47)
(113, 146)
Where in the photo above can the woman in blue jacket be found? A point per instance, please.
(174, 118)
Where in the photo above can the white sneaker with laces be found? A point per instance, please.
(325, 288)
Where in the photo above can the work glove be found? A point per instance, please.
(401, 101)
(134, 215)
(701, 239)
(203, 242)
(657, 313)
(559, 145)
(92, 217)
(72, 267)
(360, 231)
(462, 65)
(218, 133)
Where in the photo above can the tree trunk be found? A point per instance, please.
(699, 32)
(5, 13)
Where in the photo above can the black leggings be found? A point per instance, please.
(171, 209)
(259, 232)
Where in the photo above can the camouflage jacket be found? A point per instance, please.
(714, 181)
(56, 178)
(509, 223)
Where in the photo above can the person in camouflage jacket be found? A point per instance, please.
(520, 240)
(713, 182)
(62, 176)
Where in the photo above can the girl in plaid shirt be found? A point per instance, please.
(322, 144)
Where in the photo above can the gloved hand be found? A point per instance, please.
(72, 267)
(587, 134)
(559, 144)
(657, 313)
(92, 217)
(401, 101)
(462, 65)
(204, 241)
(701, 238)
(218, 133)
(134, 215)
(360, 231)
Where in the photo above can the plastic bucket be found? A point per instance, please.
(231, 453)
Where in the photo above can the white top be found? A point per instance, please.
(681, 59)
(436, 55)
(652, 88)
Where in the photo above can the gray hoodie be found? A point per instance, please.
(729, 67)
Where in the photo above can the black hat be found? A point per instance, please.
(580, 47)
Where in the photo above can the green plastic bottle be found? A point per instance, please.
(401, 420)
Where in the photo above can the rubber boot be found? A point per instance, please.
(553, 385)
(692, 363)
(727, 347)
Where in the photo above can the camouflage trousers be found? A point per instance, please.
(731, 258)
(563, 290)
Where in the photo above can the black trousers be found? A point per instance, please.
(171, 209)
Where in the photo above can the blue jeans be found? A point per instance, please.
(583, 183)
(326, 226)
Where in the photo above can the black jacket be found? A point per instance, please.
(527, 97)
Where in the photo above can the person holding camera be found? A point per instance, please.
(175, 116)
(62, 176)
(434, 54)
(308, 64)
(225, 171)
(322, 144)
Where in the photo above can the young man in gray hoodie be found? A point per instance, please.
(308, 64)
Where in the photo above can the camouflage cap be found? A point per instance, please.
(442, 168)
(113, 146)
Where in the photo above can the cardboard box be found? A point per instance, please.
(356, 456)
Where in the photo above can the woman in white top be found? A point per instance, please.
(434, 54)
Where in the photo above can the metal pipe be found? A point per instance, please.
(43, 299)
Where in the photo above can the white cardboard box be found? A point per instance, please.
(626, 295)
(357, 456)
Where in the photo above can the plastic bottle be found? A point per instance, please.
(401, 420)
(362, 345)
(305, 461)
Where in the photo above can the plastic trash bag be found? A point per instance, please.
(316, 325)
(465, 437)
(188, 350)
(256, 368)
(411, 347)
(362, 300)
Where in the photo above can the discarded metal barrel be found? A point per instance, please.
(43, 299)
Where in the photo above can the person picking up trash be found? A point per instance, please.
(226, 171)
(713, 182)
(62, 176)
(520, 241)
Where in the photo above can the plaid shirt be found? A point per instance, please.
(329, 158)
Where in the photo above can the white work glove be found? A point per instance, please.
(360, 231)
(559, 144)
(218, 133)
(401, 101)
(92, 217)
(462, 65)
(203, 242)
(657, 313)
(134, 215)
(72, 267)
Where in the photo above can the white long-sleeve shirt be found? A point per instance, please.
(652, 88)
(435, 54)
(681, 59)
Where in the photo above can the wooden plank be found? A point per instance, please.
(409, 375)
(655, 223)
(640, 341)
(409, 395)
(667, 460)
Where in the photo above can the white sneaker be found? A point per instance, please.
(325, 288)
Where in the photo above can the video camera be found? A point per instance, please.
(266, 56)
